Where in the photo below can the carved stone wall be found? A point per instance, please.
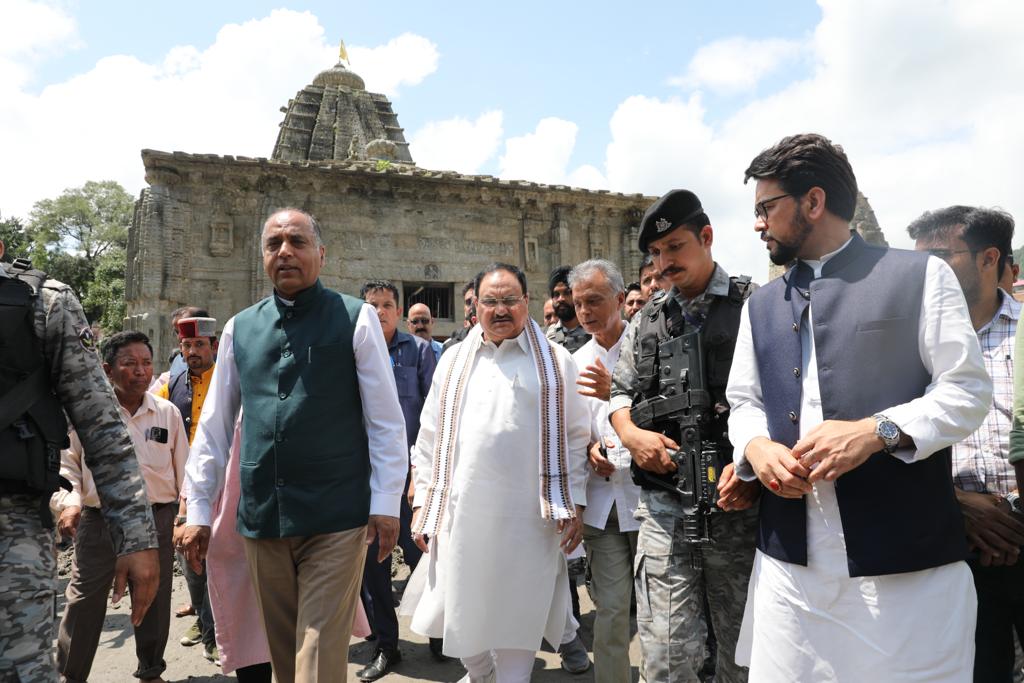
(195, 237)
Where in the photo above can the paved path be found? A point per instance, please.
(115, 659)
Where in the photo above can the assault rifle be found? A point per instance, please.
(683, 411)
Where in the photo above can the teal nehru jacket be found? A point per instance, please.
(305, 466)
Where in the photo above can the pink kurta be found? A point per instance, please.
(240, 635)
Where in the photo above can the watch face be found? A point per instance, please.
(888, 430)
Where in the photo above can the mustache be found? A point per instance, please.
(671, 271)
(502, 319)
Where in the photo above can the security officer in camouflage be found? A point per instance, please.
(48, 369)
(567, 331)
(672, 577)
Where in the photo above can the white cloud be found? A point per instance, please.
(541, 156)
(457, 144)
(736, 64)
(924, 98)
(30, 31)
(221, 99)
(405, 60)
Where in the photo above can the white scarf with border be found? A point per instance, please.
(555, 497)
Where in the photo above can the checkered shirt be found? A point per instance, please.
(980, 461)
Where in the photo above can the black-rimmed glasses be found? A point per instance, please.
(761, 208)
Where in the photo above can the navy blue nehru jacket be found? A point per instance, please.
(413, 363)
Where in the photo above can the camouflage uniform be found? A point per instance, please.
(572, 339)
(670, 593)
(27, 556)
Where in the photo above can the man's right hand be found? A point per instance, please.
(777, 469)
(67, 524)
(139, 572)
(991, 528)
(649, 449)
(194, 545)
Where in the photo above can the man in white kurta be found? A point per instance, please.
(816, 622)
(495, 573)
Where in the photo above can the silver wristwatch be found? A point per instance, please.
(888, 431)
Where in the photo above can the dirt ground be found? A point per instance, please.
(115, 659)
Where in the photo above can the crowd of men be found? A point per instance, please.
(814, 480)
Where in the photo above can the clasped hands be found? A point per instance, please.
(828, 451)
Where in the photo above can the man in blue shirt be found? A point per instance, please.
(421, 324)
(413, 364)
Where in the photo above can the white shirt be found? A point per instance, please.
(618, 489)
(816, 622)
(382, 415)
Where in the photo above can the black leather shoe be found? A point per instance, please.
(437, 649)
(382, 662)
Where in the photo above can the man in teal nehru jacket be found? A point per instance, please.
(323, 454)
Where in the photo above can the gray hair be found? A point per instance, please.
(313, 222)
(586, 270)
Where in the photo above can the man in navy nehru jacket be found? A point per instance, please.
(323, 454)
(853, 375)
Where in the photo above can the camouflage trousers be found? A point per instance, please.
(28, 589)
(670, 592)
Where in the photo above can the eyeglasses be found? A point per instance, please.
(946, 254)
(761, 208)
(419, 321)
(507, 302)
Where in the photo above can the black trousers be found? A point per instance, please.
(376, 592)
(1000, 618)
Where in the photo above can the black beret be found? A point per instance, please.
(676, 208)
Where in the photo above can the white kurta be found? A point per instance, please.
(816, 623)
(495, 577)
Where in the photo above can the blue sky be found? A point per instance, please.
(640, 98)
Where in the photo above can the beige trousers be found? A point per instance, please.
(307, 588)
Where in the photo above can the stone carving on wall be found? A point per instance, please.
(432, 272)
(222, 236)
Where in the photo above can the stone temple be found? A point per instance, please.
(342, 155)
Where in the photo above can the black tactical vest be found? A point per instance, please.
(662, 319)
(33, 428)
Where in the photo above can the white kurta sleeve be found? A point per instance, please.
(208, 455)
(382, 415)
(577, 426)
(957, 400)
(747, 419)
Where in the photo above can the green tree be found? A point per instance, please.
(17, 243)
(80, 238)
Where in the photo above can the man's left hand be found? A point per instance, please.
(835, 447)
(571, 530)
(734, 493)
(596, 381)
(385, 529)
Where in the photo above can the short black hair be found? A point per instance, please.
(979, 227)
(189, 312)
(800, 162)
(633, 287)
(117, 341)
(646, 262)
(559, 275)
(469, 286)
(495, 267)
(376, 285)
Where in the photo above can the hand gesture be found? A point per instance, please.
(67, 524)
(194, 544)
(650, 450)
(835, 447)
(571, 531)
(601, 465)
(385, 529)
(734, 493)
(777, 469)
(596, 381)
(992, 529)
(139, 573)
